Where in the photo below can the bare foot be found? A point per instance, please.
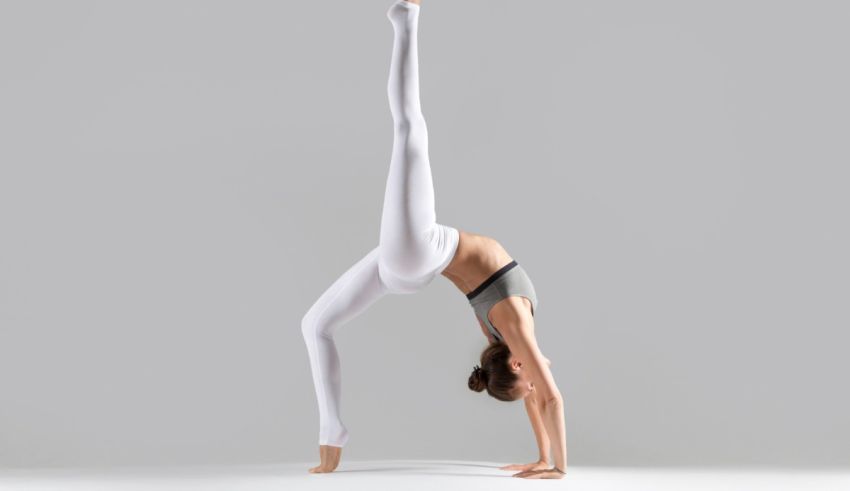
(330, 459)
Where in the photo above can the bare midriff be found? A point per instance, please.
(477, 257)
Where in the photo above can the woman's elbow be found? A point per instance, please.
(553, 399)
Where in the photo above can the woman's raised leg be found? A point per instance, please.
(358, 288)
(412, 243)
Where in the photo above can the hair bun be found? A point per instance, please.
(478, 379)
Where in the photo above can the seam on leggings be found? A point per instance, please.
(328, 336)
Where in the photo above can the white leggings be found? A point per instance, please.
(413, 248)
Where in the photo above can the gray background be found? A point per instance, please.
(179, 181)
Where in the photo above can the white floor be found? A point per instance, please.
(411, 475)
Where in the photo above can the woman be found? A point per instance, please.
(413, 248)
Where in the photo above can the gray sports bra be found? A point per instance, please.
(509, 281)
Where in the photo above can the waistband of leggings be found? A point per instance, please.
(489, 281)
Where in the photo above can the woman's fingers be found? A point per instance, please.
(540, 474)
(524, 467)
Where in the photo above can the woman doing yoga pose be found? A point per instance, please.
(413, 248)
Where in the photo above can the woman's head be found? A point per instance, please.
(500, 374)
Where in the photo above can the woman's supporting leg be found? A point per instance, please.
(358, 288)
(413, 244)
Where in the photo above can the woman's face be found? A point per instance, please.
(524, 385)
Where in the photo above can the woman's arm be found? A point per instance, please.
(542, 463)
(519, 336)
(552, 414)
(533, 410)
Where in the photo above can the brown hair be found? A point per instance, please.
(495, 373)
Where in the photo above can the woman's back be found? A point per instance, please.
(477, 257)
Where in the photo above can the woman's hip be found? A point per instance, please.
(408, 265)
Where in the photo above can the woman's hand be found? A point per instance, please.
(552, 473)
(539, 465)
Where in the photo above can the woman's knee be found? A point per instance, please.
(311, 326)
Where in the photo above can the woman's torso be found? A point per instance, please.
(476, 259)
